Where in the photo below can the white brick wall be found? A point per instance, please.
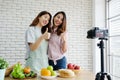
(16, 15)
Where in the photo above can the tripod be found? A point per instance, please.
(101, 75)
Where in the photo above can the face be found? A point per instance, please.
(44, 19)
(58, 19)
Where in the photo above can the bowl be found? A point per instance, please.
(76, 71)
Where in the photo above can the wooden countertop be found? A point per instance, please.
(83, 75)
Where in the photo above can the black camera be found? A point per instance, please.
(95, 32)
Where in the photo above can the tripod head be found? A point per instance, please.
(101, 44)
(103, 38)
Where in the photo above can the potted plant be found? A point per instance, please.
(3, 66)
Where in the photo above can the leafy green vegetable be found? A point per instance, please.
(3, 63)
(28, 75)
(31, 74)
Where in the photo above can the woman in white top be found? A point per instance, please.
(36, 38)
(57, 42)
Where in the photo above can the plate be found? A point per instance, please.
(48, 77)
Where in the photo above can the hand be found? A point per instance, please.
(46, 34)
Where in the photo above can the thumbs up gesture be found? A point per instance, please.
(46, 34)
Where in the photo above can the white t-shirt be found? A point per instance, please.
(30, 37)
